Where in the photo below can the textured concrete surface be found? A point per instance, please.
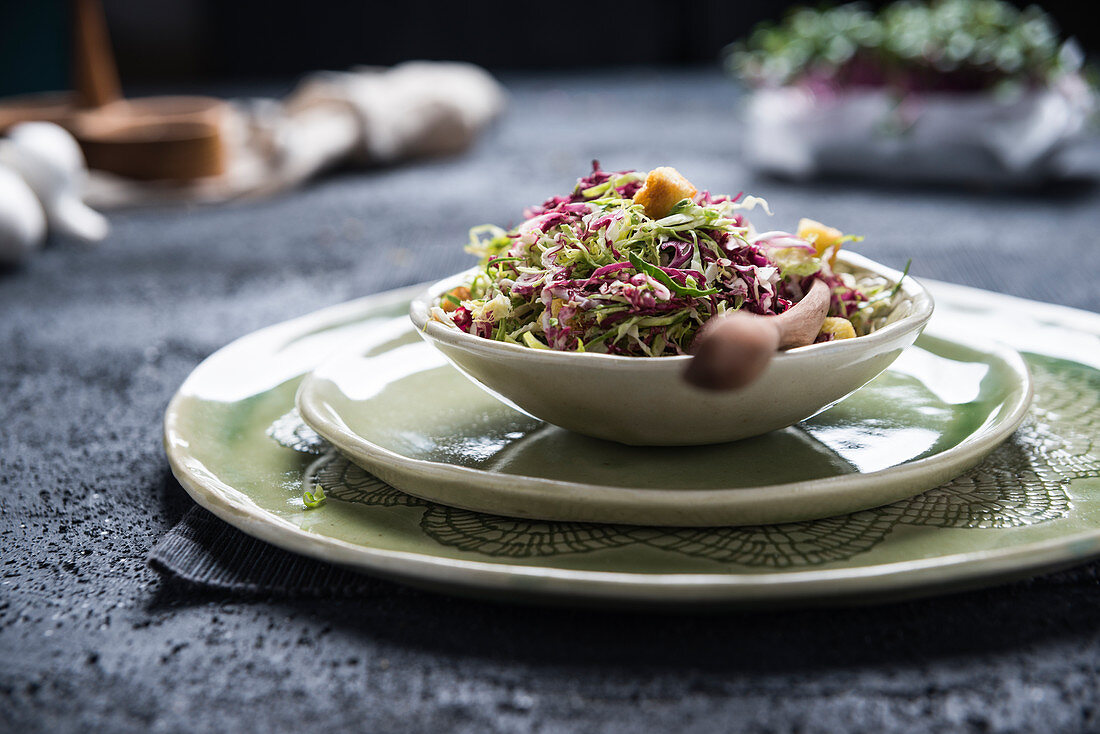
(94, 340)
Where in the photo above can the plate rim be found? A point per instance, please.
(913, 577)
(704, 502)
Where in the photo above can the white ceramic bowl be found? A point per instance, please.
(645, 401)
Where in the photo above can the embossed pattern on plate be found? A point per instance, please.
(1022, 483)
(1033, 504)
(415, 421)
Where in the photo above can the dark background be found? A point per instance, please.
(95, 340)
(201, 41)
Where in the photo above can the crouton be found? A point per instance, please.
(664, 188)
(838, 328)
(821, 235)
(461, 293)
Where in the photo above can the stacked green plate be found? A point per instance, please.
(1032, 502)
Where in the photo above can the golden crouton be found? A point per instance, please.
(664, 188)
(822, 235)
(839, 328)
(462, 293)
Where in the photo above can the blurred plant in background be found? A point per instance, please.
(951, 45)
(976, 92)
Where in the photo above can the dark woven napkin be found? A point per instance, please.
(203, 551)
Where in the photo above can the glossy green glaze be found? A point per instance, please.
(409, 417)
(1034, 503)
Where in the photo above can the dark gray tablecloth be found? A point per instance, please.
(94, 340)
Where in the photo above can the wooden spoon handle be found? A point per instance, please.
(732, 351)
(94, 73)
(801, 323)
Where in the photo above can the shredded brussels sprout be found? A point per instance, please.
(592, 272)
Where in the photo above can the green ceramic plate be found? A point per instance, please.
(407, 416)
(238, 447)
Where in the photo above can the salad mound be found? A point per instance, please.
(631, 263)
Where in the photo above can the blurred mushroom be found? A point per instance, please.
(22, 221)
(49, 160)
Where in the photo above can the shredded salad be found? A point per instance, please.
(634, 263)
